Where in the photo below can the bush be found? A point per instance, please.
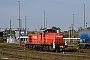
(1, 40)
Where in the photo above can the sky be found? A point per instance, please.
(59, 13)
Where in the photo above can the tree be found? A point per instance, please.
(68, 33)
(88, 28)
(8, 32)
(56, 28)
(80, 28)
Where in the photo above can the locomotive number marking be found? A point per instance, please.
(59, 36)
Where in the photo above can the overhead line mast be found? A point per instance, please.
(19, 24)
(84, 15)
(44, 19)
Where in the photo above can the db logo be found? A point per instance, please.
(34, 37)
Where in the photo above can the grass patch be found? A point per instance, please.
(71, 44)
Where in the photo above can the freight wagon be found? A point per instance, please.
(84, 39)
(46, 40)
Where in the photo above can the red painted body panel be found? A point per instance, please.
(46, 37)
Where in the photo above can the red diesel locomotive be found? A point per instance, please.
(46, 40)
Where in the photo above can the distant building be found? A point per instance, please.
(11, 40)
(22, 34)
(3, 35)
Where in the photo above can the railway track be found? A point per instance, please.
(18, 52)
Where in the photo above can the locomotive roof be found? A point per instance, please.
(50, 30)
